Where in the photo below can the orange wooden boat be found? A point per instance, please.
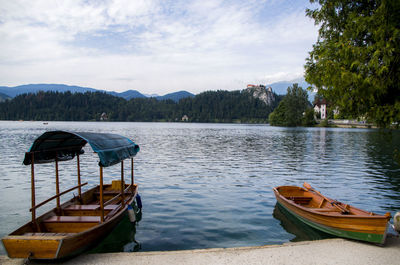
(80, 223)
(330, 216)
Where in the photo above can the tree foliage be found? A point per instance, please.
(211, 106)
(290, 110)
(355, 63)
(309, 117)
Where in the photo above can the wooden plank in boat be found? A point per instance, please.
(68, 227)
(49, 234)
(325, 210)
(89, 207)
(111, 192)
(73, 219)
(300, 199)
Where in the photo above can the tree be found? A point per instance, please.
(212, 106)
(355, 63)
(308, 117)
(290, 110)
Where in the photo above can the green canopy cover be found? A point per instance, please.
(111, 148)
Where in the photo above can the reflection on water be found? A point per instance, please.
(210, 185)
(297, 228)
(122, 238)
(384, 162)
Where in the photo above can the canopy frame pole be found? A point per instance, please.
(101, 195)
(33, 187)
(132, 176)
(33, 191)
(122, 183)
(57, 183)
(79, 177)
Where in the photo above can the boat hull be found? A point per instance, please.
(365, 228)
(50, 246)
(58, 247)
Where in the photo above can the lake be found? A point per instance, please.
(210, 185)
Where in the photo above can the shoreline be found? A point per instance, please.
(330, 123)
(328, 251)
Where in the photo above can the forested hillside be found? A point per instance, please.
(211, 106)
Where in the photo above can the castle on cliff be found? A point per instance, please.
(261, 92)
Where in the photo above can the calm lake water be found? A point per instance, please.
(210, 185)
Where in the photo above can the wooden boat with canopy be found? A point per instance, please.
(81, 222)
(331, 216)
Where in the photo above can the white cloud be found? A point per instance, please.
(153, 46)
(133, 13)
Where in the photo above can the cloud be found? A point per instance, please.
(153, 46)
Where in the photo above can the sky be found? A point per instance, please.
(154, 46)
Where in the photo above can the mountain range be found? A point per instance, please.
(3, 97)
(10, 92)
(280, 88)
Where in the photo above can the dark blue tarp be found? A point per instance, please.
(111, 148)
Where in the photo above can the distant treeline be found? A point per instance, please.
(211, 106)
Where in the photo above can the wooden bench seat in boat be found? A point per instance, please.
(88, 207)
(325, 210)
(112, 192)
(300, 199)
(332, 211)
(73, 219)
(48, 234)
(88, 210)
(70, 224)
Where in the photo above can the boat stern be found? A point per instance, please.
(35, 247)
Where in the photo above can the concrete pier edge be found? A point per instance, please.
(328, 251)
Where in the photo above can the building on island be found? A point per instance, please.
(103, 116)
(320, 107)
(185, 118)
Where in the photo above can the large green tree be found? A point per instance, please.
(355, 63)
(291, 109)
